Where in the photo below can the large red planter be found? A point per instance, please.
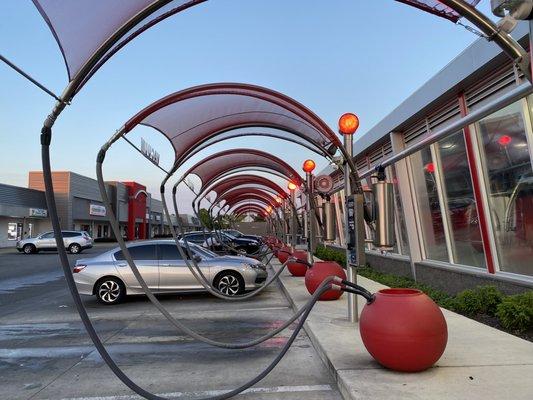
(296, 268)
(320, 271)
(403, 329)
(283, 254)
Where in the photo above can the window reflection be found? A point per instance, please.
(399, 214)
(509, 181)
(428, 205)
(465, 236)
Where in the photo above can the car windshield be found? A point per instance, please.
(234, 233)
(227, 235)
(203, 251)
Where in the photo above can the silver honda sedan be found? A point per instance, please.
(110, 279)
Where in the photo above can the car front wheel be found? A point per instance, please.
(29, 249)
(74, 248)
(110, 291)
(229, 283)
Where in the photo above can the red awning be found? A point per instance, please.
(243, 193)
(437, 8)
(214, 166)
(246, 180)
(85, 29)
(192, 117)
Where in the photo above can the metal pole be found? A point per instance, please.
(293, 219)
(353, 314)
(309, 218)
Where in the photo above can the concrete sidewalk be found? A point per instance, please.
(480, 362)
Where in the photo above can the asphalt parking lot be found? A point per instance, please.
(46, 354)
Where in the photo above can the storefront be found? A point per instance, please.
(464, 204)
(23, 214)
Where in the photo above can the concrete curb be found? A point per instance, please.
(480, 362)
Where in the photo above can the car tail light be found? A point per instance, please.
(78, 268)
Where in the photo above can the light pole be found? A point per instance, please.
(292, 191)
(308, 167)
(354, 218)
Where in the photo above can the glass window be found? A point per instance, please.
(509, 181)
(465, 234)
(48, 235)
(12, 231)
(169, 252)
(429, 212)
(139, 253)
(400, 216)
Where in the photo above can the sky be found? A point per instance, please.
(333, 56)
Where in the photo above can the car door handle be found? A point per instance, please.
(122, 264)
(166, 265)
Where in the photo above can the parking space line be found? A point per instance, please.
(259, 390)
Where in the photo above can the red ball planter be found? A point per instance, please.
(403, 329)
(320, 271)
(296, 268)
(283, 254)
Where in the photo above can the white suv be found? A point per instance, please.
(75, 242)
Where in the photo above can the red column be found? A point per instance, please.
(481, 212)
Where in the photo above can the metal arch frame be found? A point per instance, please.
(508, 45)
(289, 172)
(206, 190)
(248, 178)
(211, 142)
(252, 187)
(209, 188)
(247, 90)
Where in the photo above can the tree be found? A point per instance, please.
(205, 218)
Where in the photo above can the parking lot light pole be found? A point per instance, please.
(292, 191)
(308, 167)
(348, 124)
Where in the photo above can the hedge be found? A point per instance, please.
(514, 313)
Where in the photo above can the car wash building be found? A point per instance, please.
(464, 205)
(23, 213)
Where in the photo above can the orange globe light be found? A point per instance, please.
(292, 186)
(348, 123)
(268, 209)
(278, 199)
(309, 166)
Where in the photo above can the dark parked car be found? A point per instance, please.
(222, 242)
(240, 235)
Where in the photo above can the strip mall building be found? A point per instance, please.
(464, 205)
(23, 211)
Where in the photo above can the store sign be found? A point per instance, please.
(38, 212)
(149, 152)
(97, 210)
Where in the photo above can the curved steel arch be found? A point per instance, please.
(213, 166)
(230, 195)
(231, 106)
(223, 185)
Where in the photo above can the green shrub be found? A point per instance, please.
(481, 300)
(516, 312)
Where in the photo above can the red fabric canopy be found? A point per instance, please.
(437, 8)
(250, 209)
(249, 180)
(193, 116)
(212, 167)
(85, 28)
(249, 198)
(231, 196)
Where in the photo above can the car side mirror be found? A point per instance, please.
(197, 258)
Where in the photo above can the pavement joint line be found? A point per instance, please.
(257, 390)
